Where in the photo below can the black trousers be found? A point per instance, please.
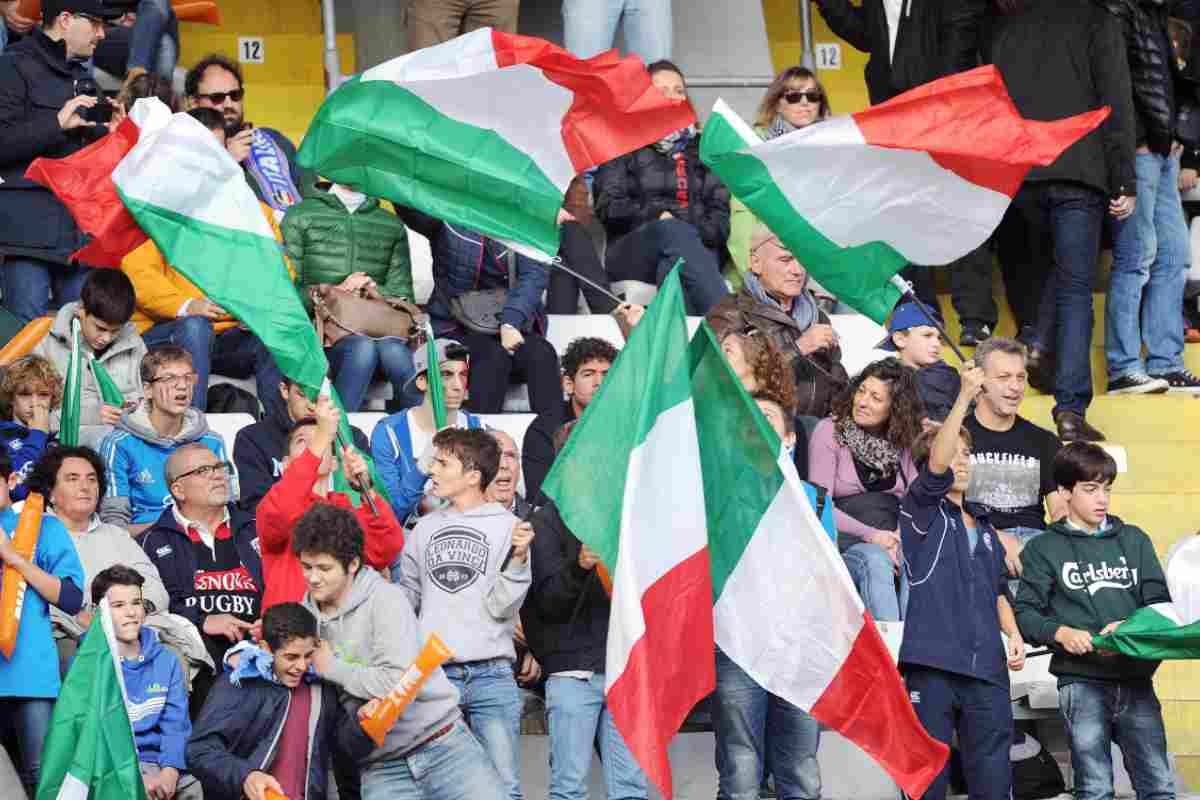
(970, 286)
(492, 369)
(579, 253)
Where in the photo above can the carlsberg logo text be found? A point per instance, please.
(1094, 578)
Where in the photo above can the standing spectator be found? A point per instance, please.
(918, 344)
(29, 683)
(958, 686)
(213, 577)
(775, 299)
(143, 41)
(1083, 578)
(862, 455)
(344, 239)
(46, 91)
(1082, 68)
(503, 488)
(306, 481)
(590, 27)
(267, 156)
(584, 365)
(566, 623)
(30, 392)
(473, 603)
(369, 637)
(432, 22)
(106, 304)
(154, 685)
(136, 453)
(1151, 248)
(661, 203)
(1011, 458)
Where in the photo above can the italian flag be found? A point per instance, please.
(629, 484)
(1165, 630)
(785, 608)
(923, 179)
(487, 130)
(89, 753)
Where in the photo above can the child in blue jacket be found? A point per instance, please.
(30, 391)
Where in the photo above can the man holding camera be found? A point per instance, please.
(49, 107)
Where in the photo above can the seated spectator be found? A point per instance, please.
(148, 85)
(578, 253)
(306, 481)
(106, 335)
(400, 439)
(661, 203)
(862, 456)
(260, 449)
(590, 27)
(143, 41)
(271, 724)
(473, 606)
(431, 22)
(503, 488)
(46, 89)
(155, 688)
(170, 308)
(213, 577)
(137, 450)
(369, 637)
(267, 156)
(918, 345)
(343, 239)
(566, 624)
(28, 684)
(584, 365)
(72, 480)
(776, 300)
(30, 391)
(774, 406)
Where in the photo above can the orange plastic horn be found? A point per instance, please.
(605, 578)
(205, 11)
(12, 594)
(271, 794)
(380, 721)
(26, 339)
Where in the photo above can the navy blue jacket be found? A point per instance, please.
(239, 726)
(938, 385)
(464, 260)
(952, 623)
(25, 446)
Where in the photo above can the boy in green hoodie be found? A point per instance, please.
(1083, 578)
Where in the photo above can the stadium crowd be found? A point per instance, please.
(260, 613)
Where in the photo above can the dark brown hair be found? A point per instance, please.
(904, 419)
(924, 443)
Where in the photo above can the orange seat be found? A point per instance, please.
(205, 11)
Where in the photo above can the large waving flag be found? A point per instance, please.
(83, 182)
(629, 485)
(90, 752)
(487, 130)
(923, 178)
(786, 609)
(1165, 630)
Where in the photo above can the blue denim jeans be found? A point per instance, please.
(1151, 254)
(30, 284)
(235, 352)
(755, 730)
(29, 719)
(1024, 536)
(873, 576)
(491, 704)
(154, 45)
(453, 767)
(1099, 714)
(590, 26)
(579, 720)
(355, 360)
(649, 252)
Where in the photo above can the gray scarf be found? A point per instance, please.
(804, 307)
(779, 127)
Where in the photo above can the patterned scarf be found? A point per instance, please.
(875, 452)
(679, 138)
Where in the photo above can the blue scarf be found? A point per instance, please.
(268, 165)
(258, 663)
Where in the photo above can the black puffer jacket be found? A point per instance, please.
(637, 188)
(1153, 71)
(36, 81)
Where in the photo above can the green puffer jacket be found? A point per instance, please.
(326, 243)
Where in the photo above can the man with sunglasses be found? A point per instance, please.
(213, 575)
(46, 92)
(267, 156)
(136, 453)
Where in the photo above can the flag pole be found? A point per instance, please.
(557, 263)
(906, 290)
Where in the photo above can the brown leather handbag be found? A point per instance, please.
(339, 314)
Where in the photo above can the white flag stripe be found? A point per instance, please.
(72, 789)
(467, 55)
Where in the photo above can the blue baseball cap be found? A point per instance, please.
(905, 316)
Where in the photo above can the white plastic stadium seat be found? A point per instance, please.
(422, 266)
(365, 421)
(566, 328)
(634, 291)
(227, 426)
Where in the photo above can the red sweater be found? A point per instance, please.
(280, 510)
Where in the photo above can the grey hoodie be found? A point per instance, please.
(374, 637)
(450, 570)
(122, 360)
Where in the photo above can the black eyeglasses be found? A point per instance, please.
(206, 471)
(217, 98)
(812, 96)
